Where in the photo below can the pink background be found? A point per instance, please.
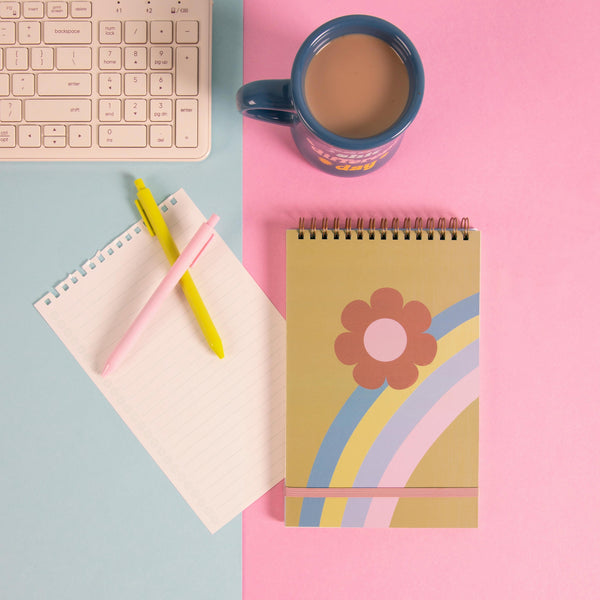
(508, 135)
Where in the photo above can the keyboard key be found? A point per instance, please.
(109, 58)
(81, 10)
(33, 10)
(161, 110)
(55, 141)
(7, 32)
(135, 32)
(109, 84)
(109, 110)
(160, 136)
(110, 32)
(187, 32)
(186, 71)
(63, 110)
(10, 111)
(67, 32)
(64, 84)
(10, 10)
(30, 32)
(16, 59)
(135, 84)
(122, 136)
(75, 59)
(161, 57)
(30, 136)
(58, 130)
(23, 84)
(161, 84)
(186, 123)
(80, 136)
(7, 136)
(135, 110)
(161, 32)
(136, 58)
(56, 10)
(42, 59)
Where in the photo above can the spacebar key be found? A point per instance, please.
(122, 136)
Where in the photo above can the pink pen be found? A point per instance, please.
(186, 259)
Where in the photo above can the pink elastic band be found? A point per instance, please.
(382, 492)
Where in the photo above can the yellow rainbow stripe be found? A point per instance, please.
(381, 412)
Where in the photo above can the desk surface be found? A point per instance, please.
(508, 134)
(84, 511)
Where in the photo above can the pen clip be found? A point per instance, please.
(144, 217)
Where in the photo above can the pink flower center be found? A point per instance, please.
(385, 340)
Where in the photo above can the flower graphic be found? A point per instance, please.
(385, 340)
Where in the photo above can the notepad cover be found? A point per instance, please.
(382, 380)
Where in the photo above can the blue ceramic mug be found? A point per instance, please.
(284, 101)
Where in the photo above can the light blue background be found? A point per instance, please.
(85, 512)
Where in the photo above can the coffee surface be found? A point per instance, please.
(356, 86)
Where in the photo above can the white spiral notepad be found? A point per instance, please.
(214, 426)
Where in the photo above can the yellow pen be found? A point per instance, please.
(156, 225)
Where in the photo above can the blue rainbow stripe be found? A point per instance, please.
(359, 402)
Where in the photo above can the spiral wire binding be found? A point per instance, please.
(408, 227)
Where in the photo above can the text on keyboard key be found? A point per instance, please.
(29, 32)
(81, 10)
(30, 136)
(56, 10)
(80, 136)
(67, 32)
(186, 71)
(10, 10)
(57, 111)
(7, 136)
(73, 59)
(10, 111)
(160, 136)
(33, 10)
(110, 32)
(122, 136)
(187, 32)
(64, 84)
(7, 32)
(42, 59)
(186, 123)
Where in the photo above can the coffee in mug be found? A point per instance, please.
(356, 85)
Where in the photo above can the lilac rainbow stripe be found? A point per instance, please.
(420, 440)
(397, 429)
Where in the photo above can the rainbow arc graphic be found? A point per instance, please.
(380, 436)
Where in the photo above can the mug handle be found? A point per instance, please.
(267, 100)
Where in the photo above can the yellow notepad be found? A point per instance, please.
(382, 375)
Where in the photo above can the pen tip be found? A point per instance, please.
(107, 369)
(218, 350)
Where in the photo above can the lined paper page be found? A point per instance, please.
(214, 426)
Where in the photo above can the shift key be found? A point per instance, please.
(57, 111)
